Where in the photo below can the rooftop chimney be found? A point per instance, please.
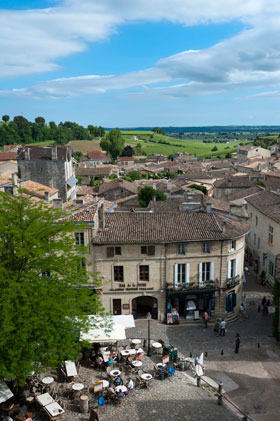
(27, 153)
(54, 153)
(208, 208)
(47, 196)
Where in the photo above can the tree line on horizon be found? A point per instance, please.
(20, 130)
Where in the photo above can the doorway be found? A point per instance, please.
(117, 306)
(143, 305)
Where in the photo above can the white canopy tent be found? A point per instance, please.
(105, 329)
(126, 320)
(5, 392)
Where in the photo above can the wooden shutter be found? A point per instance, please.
(151, 250)
(235, 270)
(229, 269)
(200, 272)
(187, 273)
(212, 271)
(110, 251)
(176, 275)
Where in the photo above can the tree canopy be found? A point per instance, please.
(44, 304)
(20, 130)
(146, 194)
(158, 130)
(113, 143)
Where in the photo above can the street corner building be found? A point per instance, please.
(174, 263)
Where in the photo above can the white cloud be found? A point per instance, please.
(32, 41)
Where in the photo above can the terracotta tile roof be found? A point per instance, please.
(93, 171)
(134, 227)
(86, 214)
(267, 203)
(244, 193)
(7, 148)
(8, 156)
(97, 155)
(118, 184)
(125, 158)
(83, 190)
(37, 188)
(234, 182)
(5, 180)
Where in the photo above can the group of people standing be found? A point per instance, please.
(265, 304)
(220, 327)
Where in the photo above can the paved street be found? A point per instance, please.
(251, 378)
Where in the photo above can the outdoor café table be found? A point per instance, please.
(125, 352)
(105, 383)
(160, 365)
(157, 346)
(77, 386)
(146, 377)
(139, 350)
(122, 389)
(71, 370)
(131, 351)
(54, 409)
(136, 341)
(115, 373)
(48, 380)
(137, 363)
(44, 399)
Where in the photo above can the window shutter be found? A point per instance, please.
(200, 272)
(228, 306)
(235, 268)
(110, 251)
(176, 275)
(229, 269)
(211, 271)
(151, 250)
(187, 273)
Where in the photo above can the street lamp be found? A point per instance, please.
(148, 317)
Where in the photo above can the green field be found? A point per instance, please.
(191, 146)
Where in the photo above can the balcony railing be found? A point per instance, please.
(232, 282)
(193, 285)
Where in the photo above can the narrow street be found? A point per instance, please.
(251, 378)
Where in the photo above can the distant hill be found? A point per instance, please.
(210, 129)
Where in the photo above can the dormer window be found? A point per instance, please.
(181, 249)
(233, 245)
(205, 248)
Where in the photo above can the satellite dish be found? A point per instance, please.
(201, 358)
(199, 370)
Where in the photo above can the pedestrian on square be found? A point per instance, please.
(264, 300)
(237, 343)
(217, 327)
(222, 328)
(196, 360)
(206, 318)
(244, 300)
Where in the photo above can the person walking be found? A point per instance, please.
(244, 300)
(237, 343)
(263, 305)
(93, 415)
(222, 328)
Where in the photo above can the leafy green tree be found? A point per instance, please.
(24, 129)
(42, 298)
(40, 120)
(214, 149)
(158, 130)
(127, 151)
(134, 175)
(198, 187)
(80, 179)
(6, 118)
(146, 194)
(77, 155)
(228, 155)
(138, 150)
(113, 143)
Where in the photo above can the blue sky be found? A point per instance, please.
(125, 63)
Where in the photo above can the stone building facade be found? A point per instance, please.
(189, 262)
(264, 239)
(51, 166)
